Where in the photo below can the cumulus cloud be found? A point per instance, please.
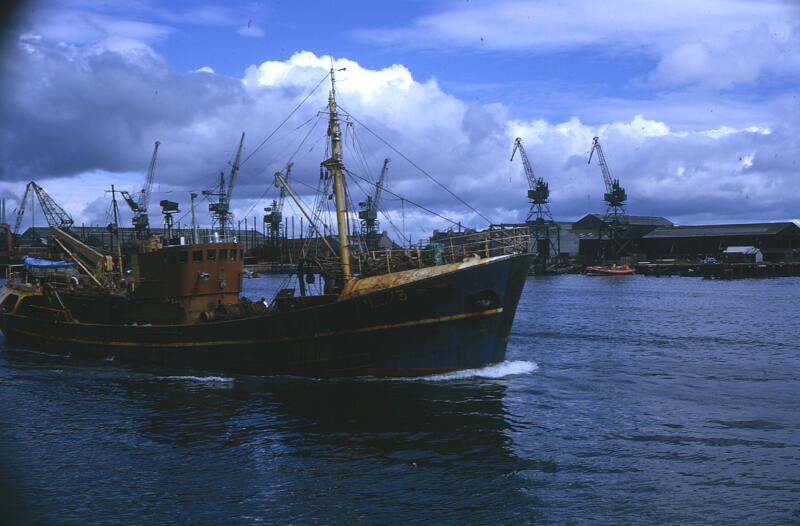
(718, 43)
(78, 116)
(738, 57)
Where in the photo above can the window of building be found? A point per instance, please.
(211, 255)
(197, 256)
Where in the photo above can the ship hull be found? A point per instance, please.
(458, 320)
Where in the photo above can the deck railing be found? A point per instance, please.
(444, 248)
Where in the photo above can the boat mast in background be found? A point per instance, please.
(195, 234)
(335, 166)
(114, 228)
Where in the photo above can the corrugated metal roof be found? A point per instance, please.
(638, 220)
(750, 229)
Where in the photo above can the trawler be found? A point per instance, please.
(179, 304)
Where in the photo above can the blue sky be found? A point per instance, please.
(695, 101)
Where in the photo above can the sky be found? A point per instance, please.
(695, 103)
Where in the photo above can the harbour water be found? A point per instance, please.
(623, 401)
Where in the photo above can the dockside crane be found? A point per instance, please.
(545, 232)
(99, 267)
(615, 195)
(369, 208)
(221, 210)
(141, 221)
(53, 213)
(274, 214)
(615, 198)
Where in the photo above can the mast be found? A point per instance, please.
(116, 229)
(195, 235)
(336, 167)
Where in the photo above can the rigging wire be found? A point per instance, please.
(386, 216)
(361, 157)
(269, 186)
(285, 120)
(415, 165)
(405, 199)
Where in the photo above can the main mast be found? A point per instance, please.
(336, 167)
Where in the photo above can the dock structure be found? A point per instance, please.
(593, 243)
(776, 241)
(721, 270)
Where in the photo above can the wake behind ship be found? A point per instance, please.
(176, 302)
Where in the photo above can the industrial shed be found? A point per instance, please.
(743, 255)
(591, 232)
(777, 241)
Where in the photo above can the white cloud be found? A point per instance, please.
(81, 22)
(113, 101)
(727, 130)
(82, 26)
(718, 43)
(675, 173)
(739, 57)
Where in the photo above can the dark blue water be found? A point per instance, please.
(624, 400)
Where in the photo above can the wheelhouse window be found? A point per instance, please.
(183, 257)
(197, 256)
(9, 303)
(233, 254)
(211, 255)
(223, 254)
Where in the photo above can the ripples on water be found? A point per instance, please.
(623, 400)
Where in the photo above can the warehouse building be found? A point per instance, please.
(592, 233)
(776, 241)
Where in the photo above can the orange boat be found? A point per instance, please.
(613, 270)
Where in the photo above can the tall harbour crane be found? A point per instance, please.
(98, 266)
(53, 213)
(615, 198)
(545, 232)
(141, 221)
(274, 214)
(369, 208)
(221, 210)
(615, 195)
